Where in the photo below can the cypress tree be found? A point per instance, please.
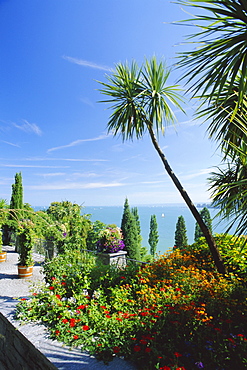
(181, 233)
(16, 201)
(153, 235)
(205, 215)
(134, 212)
(130, 233)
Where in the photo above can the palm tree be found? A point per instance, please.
(141, 102)
(229, 183)
(220, 55)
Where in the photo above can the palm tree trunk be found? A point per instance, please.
(206, 232)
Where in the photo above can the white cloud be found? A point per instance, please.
(74, 185)
(29, 127)
(77, 142)
(30, 166)
(86, 63)
(201, 172)
(7, 142)
(65, 159)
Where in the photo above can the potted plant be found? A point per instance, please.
(110, 246)
(25, 247)
(3, 254)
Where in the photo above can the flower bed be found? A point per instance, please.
(177, 313)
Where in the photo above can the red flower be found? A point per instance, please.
(51, 287)
(23, 299)
(137, 348)
(75, 337)
(143, 341)
(81, 307)
(177, 354)
(117, 318)
(72, 323)
(57, 332)
(58, 296)
(116, 349)
(64, 321)
(85, 327)
(165, 368)
(148, 349)
(108, 316)
(35, 294)
(63, 283)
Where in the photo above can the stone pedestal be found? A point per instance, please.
(118, 258)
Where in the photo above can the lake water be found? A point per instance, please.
(166, 215)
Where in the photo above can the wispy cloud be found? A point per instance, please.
(86, 63)
(77, 142)
(30, 166)
(201, 172)
(74, 185)
(29, 127)
(7, 142)
(65, 159)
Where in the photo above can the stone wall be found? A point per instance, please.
(17, 353)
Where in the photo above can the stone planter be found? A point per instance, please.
(118, 258)
(25, 271)
(3, 256)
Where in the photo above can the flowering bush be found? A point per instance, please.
(176, 313)
(111, 240)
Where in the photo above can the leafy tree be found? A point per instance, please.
(208, 221)
(130, 233)
(135, 213)
(93, 234)
(141, 102)
(219, 56)
(16, 201)
(216, 73)
(76, 226)
(229, 190)
(153, 238)
(181, 239)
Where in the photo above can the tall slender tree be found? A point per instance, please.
(181, 239)
(16, 201)
(130, 233)
(135, 213)
(153, 235)
(208, 221)
(141, 102)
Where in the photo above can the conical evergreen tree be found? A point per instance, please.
(130, 233)
(135, 213)
(205, 215)
(181, 239)
(153, 235)
(16, 201)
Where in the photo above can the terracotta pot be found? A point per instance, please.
(25, 271)
(3, 256)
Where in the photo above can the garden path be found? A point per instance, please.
(64, 358)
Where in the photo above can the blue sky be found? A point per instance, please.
(52, 127)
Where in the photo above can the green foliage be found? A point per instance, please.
(153, 235)
(219, 56)
(175, 313)
(16, 201)
(135, 213)
(93, 234)
(181, 239)
(205, 214)
(75, 225)
(130, 233)
(25, 242)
